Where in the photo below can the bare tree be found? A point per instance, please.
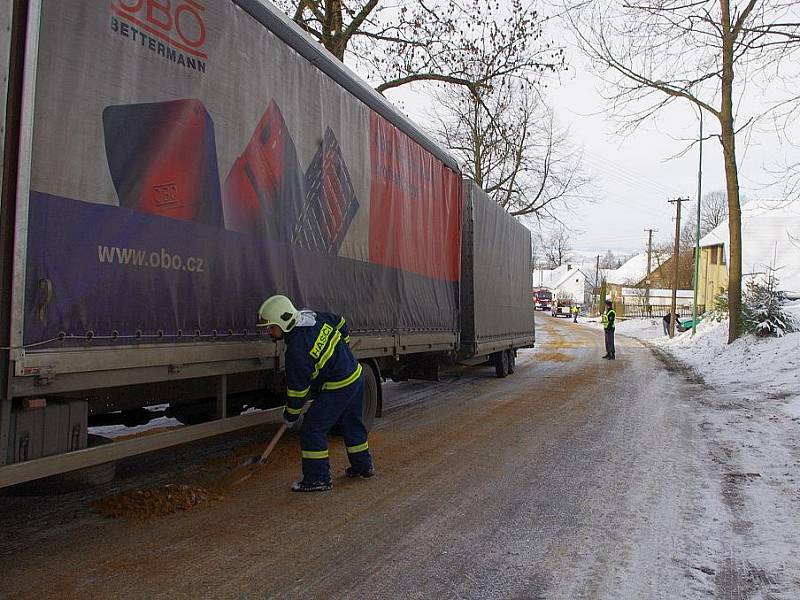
(536, 249)
(430, 40)
(610, 261)
(557, 248)
(654, 52)
(509, 144)
(713, 210)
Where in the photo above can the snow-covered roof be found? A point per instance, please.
(568, 275)
(631, 272)
(548, 278)
(770, 237)
(553, 278)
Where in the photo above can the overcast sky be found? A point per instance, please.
(634, 177)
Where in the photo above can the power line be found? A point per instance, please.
(628, 172)
(629, 180)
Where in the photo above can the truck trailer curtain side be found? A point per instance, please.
(496, 307)
(186, 163)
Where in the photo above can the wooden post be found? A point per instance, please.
(675, 260)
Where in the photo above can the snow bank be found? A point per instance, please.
(749, 415)
(760, 368)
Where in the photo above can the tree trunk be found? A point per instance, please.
(332, 34)
(477, 145)
(731, 177)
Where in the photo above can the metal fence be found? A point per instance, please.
(656, 310)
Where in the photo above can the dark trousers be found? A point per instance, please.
(329, 409)
(610, 341)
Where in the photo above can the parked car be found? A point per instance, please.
(561, 307)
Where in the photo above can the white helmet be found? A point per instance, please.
(278, 310)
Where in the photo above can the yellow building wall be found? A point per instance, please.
(712, 278)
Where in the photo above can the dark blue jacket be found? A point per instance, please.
(318, 356)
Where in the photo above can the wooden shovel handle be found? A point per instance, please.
(273, 442)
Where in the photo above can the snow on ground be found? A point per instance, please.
(761, 368)
(751, 423)
(113, 431)
(765, 367)
(643, 329)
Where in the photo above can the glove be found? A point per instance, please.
(293, 424)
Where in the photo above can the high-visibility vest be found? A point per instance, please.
(606, 315)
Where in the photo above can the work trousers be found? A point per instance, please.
(610, 341)
(329, 409)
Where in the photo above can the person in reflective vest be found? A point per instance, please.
(319, 363)
(609, 322)
(575, 310)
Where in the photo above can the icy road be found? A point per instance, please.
(572, 478)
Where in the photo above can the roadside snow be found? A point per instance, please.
(750, 420)
(643, 329)
(768, 368)
(759, 368)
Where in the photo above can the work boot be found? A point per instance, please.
(607, 356)
(353, 472)
(314, 486)
(613, 356)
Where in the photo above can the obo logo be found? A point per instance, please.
(177, 22)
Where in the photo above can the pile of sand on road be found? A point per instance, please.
(154, 502)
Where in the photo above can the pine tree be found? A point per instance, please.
(762, 310)
(720, 310)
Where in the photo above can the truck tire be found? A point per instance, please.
(512, 360)
(370, 402)
(500, 360)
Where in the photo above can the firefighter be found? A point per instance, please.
(319, 363)
(609, 322)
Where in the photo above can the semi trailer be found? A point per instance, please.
(166, 167)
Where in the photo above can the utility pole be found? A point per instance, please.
(675, 256)
(649, 267)
(596, 282)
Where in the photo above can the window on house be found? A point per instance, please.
(713, 259)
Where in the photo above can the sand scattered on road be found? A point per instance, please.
(154, 502)
(552, 357)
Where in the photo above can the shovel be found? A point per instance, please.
(246, 470)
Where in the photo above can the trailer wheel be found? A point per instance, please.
(512, 360)
(500, 360)
(370, 402)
